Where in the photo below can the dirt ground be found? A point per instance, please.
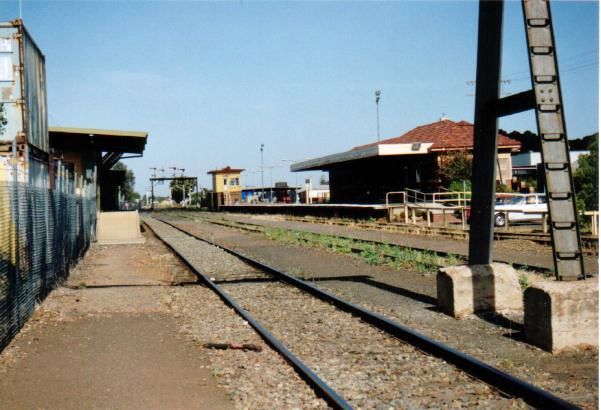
(410, 298)
(107, 338)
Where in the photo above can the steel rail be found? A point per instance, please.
(496, 378)
(317, 384)
(258, 228)
(588, 240)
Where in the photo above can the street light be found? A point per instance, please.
(378, 93)
(271, 167)
(295, 173)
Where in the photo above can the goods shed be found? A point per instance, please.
(366, 173)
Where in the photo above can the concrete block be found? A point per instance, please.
(562, 315)
(464, 290)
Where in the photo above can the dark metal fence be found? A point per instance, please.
(42, 234)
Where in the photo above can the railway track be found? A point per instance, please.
(589, 242)
(395, 365)
(259, 228)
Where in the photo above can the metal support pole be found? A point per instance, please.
(378, 93)
(262, 180)
(490, 26)
(151, 195)
(550, 121)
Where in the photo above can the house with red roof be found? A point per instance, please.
(366, 173)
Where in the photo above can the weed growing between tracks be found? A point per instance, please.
(373, 254)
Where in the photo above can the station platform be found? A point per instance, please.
(119, 228)
(356, 211)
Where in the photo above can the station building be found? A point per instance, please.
(87, 155)
(413, 160)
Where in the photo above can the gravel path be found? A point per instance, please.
(367, 367)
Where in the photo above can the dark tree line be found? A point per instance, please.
(531, 141)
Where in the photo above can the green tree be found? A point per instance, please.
(456, 166)
(586, 178)
(127, 189)
(177, 189)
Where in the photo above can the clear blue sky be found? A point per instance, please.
(211, 81)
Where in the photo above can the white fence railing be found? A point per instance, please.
(411, 203)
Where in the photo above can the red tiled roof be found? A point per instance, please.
(226, 170)
(443, 134)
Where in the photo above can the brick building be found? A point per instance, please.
(413, 160)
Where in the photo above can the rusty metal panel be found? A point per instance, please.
(11, 128)
(34, 78)
(22, 87)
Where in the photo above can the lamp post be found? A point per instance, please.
(271, 167)
(378, 93)
(262, 184)
(183, 185)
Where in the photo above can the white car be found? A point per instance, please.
(521, 208)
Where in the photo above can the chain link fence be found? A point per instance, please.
(42, 234)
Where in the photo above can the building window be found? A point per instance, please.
(224, 180)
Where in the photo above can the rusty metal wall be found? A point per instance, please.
(23, 105)
(10, 84)
(34, 74)
(23, 101)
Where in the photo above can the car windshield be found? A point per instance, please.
(517, 200)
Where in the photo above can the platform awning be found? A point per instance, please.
(378, 150)
(112, 144)
(130, 142)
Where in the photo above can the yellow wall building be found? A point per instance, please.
(227, 188)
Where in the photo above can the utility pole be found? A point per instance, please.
(170, 187)
(154, 175)
(262, 184)
(271, 167)
(183, 185)
(490, 23)
(378, 93)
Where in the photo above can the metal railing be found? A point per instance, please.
(402, 195)
(594, 215)
(412, 202)
(447, 197)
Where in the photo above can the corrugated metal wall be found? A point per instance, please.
(23, 104)
(10, 82)
(34, 75)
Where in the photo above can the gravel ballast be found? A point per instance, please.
(254, 380)
(367, 367)
(409, 297)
